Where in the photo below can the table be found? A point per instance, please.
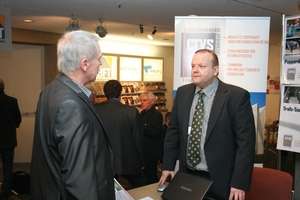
(149, 191)
(271, 129)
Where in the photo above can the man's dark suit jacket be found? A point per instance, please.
(230, 138)
(151, 121)
(10, 119)
(71, 156)
(124, 131)
(161, 141)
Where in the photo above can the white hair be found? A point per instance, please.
(75, 46)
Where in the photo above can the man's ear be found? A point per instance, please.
(84, 64)
(216, 72)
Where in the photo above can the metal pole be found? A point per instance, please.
(297, 177)
(279, 159)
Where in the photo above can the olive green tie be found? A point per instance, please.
(195, 136)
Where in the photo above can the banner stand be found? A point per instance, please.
(288, 130)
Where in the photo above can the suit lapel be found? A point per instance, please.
(188, 100)
(217, 107)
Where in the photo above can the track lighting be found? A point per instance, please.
(150, 36)
(73, 25)
(141, 29)
(101, 30)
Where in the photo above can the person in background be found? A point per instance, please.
(162, 135)
(93, 93)
(122, 124)
(151, 121)
(227, 136)
(71, 155)
(10, 119)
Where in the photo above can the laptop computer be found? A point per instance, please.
(186, 186)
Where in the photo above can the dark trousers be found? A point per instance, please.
(135, 180)
(150, 171)
(7, 164)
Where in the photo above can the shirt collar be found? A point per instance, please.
(86, 91)
(210, 89)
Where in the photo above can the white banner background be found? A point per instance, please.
(242, 44)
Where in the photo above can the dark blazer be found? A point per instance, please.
(230, 138)
(10, 119)
(151, 121)
(71, 156)
(124, 131)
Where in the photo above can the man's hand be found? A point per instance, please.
(236, 194)
(164, 176)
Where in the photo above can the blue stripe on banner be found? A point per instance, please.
(255, 98)
(258, 98)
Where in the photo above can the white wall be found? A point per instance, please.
(22, 73)
(273, 100)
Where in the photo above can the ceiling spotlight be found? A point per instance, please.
(101, 30)
(73, 25)
(28, 20)
(141, 29)
(150, 36)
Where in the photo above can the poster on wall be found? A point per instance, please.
(130, 69)
(289, 127)
(108, 69)
(242, 45)
(5, 29)
(273, 84)
(153, 69)
(290, 70)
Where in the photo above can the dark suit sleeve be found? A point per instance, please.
(16, 114)
(172, 138)
(138, 136)
(245, 139)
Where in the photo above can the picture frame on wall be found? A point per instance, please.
(109, 68)
(130, 69)
(152, 69)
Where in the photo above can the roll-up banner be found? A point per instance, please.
(289, 126)
(242, 45)
(5, 29)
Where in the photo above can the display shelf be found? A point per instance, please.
(131, 92)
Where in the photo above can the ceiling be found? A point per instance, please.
(123, 18)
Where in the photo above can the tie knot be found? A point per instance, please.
(201, 93)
